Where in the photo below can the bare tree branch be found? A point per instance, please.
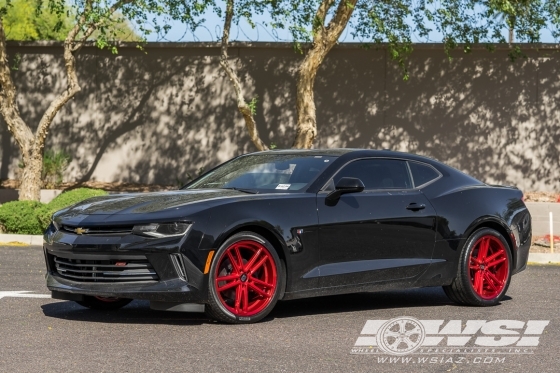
(323, 40)
(8, 104)
(242, 105)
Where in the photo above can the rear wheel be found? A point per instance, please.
(484, 271)
(245, 281)
(103, 303)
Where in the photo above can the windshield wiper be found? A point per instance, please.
(250, 191)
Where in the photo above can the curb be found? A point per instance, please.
(544, 258)
(26, 239)
(36, 240)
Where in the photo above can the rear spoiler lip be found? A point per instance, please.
(503, 186)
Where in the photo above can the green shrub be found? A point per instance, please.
(21, 217)
(54, 165)
(74, 196)
(64, 200)
(30, 217)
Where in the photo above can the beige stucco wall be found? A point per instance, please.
(152, 117)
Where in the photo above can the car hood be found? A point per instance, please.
(144, 203)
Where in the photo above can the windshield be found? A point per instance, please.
(270, 172)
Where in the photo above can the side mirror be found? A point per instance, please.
(343, 186)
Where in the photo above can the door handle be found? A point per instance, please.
(415, 206)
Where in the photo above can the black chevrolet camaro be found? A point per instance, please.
(290, 224)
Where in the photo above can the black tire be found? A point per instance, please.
(217, 307)
(102, 303)
(462, 289)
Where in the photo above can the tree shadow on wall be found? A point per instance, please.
(481, 113)
(156, 117)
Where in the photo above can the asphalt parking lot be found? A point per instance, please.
(313, 335)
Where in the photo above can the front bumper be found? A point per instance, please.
(174, 290)
(127, 266)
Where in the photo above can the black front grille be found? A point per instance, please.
(113, 270)
(97, 230)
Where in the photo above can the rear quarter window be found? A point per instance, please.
(422, 173)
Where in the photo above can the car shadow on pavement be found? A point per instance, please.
(139, 312)
(412, 298)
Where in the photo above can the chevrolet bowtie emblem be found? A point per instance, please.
(81, 230)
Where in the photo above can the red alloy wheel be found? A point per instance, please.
(488, 267)
(246, 278)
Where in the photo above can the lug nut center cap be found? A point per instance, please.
(243, 277)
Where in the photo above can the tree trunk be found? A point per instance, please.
(31, 181)
(306, 130)
(242, 105)
(32, 144)
(324, 38)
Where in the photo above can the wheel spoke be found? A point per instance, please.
(496, 262)
(495, 279)
(227, 278)
(228, 286)
(416, 330)
(478, 285)
(259, 263)
(253, 259)
(390, 333)
(245, 298)
(256, 281)
(258, 291)
(239, 259)
(408, 342)
(483, 249)
(238, 295)
(233, 262)
(494, 256)
(395, 343)
(402, 326)
(490, 281)
(481, 285)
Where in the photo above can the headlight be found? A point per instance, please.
(162, 230)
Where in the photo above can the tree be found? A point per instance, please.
(325, 35)
(393, 23)
(233, 12)
(246, 110)
(89, 16)
(28, 20)
(525, 15)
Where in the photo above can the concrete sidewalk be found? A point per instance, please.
(26, 239)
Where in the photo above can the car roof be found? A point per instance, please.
(355, 151)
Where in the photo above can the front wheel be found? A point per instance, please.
(103, 303)
(484, 271)
(245, 279)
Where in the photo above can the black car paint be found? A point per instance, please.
(324, 247)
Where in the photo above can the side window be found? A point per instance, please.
(378, 173)
(422, 174)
